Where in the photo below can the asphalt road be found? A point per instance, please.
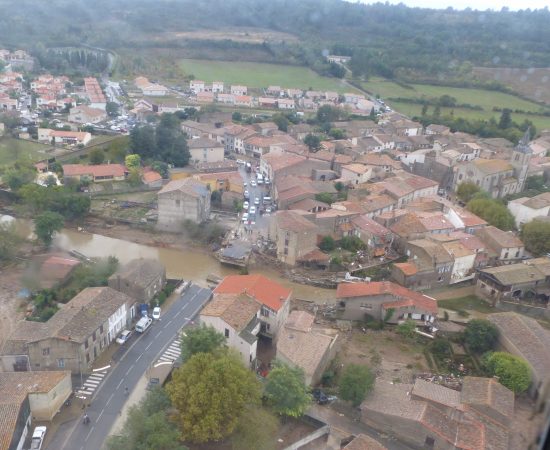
(110, 395)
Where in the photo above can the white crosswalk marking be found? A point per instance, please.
(90, 384)
(173, 352)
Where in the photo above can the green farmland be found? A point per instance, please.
(476, 97)
(12, 150)
(261, 75)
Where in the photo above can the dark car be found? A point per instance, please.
(319, 396)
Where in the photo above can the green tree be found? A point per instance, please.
(355, 383)
(132, 161)
(337, 133)
(257, 429)
(201, 340)
(327, 244)
(281, 121)
(466, 191)
(97, 156)
(324, 197)
(286, 391)
(161, 167)
(112, 108)
(512, 371)
(407, 329)
(312, 141)
(505, 120)
(424, 112)
(535, 183)
(10, 242)
(134, 176)
(236, 116)
(210, 392)
(480, 335)
(536, 237)
(46, 224)
(441, 348)
(19, 175)
(493, 211)
(327, 113)
(147, 426)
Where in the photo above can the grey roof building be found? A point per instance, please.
(141, 279)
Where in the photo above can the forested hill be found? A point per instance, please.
(395, 37)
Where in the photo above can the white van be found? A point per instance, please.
(260, 178)
(143, 323)
(267, 200)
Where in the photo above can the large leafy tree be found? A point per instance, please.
(493, 211)
(204, 339)
(257, 429)
(355, 383)
(210, 392)
(536, 237)
(147, 426)
(466, 191)
(512, 371)
(286, 390)
(480, 335)
(9, 242)
(46, 224)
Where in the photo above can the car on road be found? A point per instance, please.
(246, 205)
(143, 324)
(245, 217)
(123, 337)
(253, 183)
(252, 210)
(246, 195)
(156, 312)
(257, 201)
(268, 210)
(38, 438)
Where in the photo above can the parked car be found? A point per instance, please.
(319, 396)
(252, 210)
(123, 337)
(257, 201)
(245, 217)
(156, 312)
(38, 438)
(143, 324)
(246, 195)
(253, 183)
(268, 210)
(246, 205)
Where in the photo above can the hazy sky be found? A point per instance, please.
(474, 4)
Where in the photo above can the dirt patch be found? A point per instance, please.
(394, 359)
(11, 310)
(249, 35)
(533, 83)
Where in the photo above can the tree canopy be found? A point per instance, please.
(493, 211)
(10, 242)
(210, 392)
(257, 429)
(60, 199)
(512, 371)
(536, 237)
(480, 335)
(204, 339)
(286, 391)
(356, 382)
(46, 224)
(466, 191)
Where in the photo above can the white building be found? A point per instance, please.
(239, 90)
(196, 86)
(526, 209)
(236, 316)
(217, 87)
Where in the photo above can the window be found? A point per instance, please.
(286, 251)
(517, 254)
(226, 333)
(61, 363)
(86, 344)
(45, 351)
(87, 358)
(94, 336)
(264, 311)
(101, 329)
(178, 203)
(366, 306)
(429, 442)
(506, 255)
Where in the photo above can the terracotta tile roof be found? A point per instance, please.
(364, 442)
(140, 272)
(530, 340)
(292, 221)
(365, 223)
(407, 268)
(488, 392)
(99, 170)
(404, 296)
(393, 399)
(278, 162)
(315, 255)
(357, 168)
(236, 310)
(436, 393)
(151, 176)
(188, 186)
(494, 236)
(264, 290)
(492, 166)
(308, 204)
(300, 321)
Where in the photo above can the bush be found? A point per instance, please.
(480, 335)
(407, 329)
(356, 382)
(512, 371)
(352, 243)
(327, 244)
(441, 348)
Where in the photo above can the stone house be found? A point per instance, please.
(525, 209)
(181, 200)
(85, 114)
(503, 247)
(302, 345)
(74, 337)
(95, 173)
(26, 397)
(141, 279)
(377, 237)
(294, 235)
(205, 150)
(274, 299)
(526, 338)
(237, 317)
(358, 301)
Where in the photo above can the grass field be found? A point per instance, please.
(484, 98)
(468, 303)
(12, 150)
(258, 75)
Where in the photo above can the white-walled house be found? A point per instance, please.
(217, 86)
(236, 316)
(526, 209)
(273, 298)
(196, 86)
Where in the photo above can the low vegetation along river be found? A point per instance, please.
(189, 264)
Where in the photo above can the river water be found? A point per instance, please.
(188, 264)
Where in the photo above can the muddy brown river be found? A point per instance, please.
(189, 264)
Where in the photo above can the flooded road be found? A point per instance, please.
(188, 264)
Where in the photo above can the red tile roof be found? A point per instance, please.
(405, 297)
(266, 291)
(408, 269)
(99, 170)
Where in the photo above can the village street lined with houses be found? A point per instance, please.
(208, 264)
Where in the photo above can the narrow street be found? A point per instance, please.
(110, 397)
